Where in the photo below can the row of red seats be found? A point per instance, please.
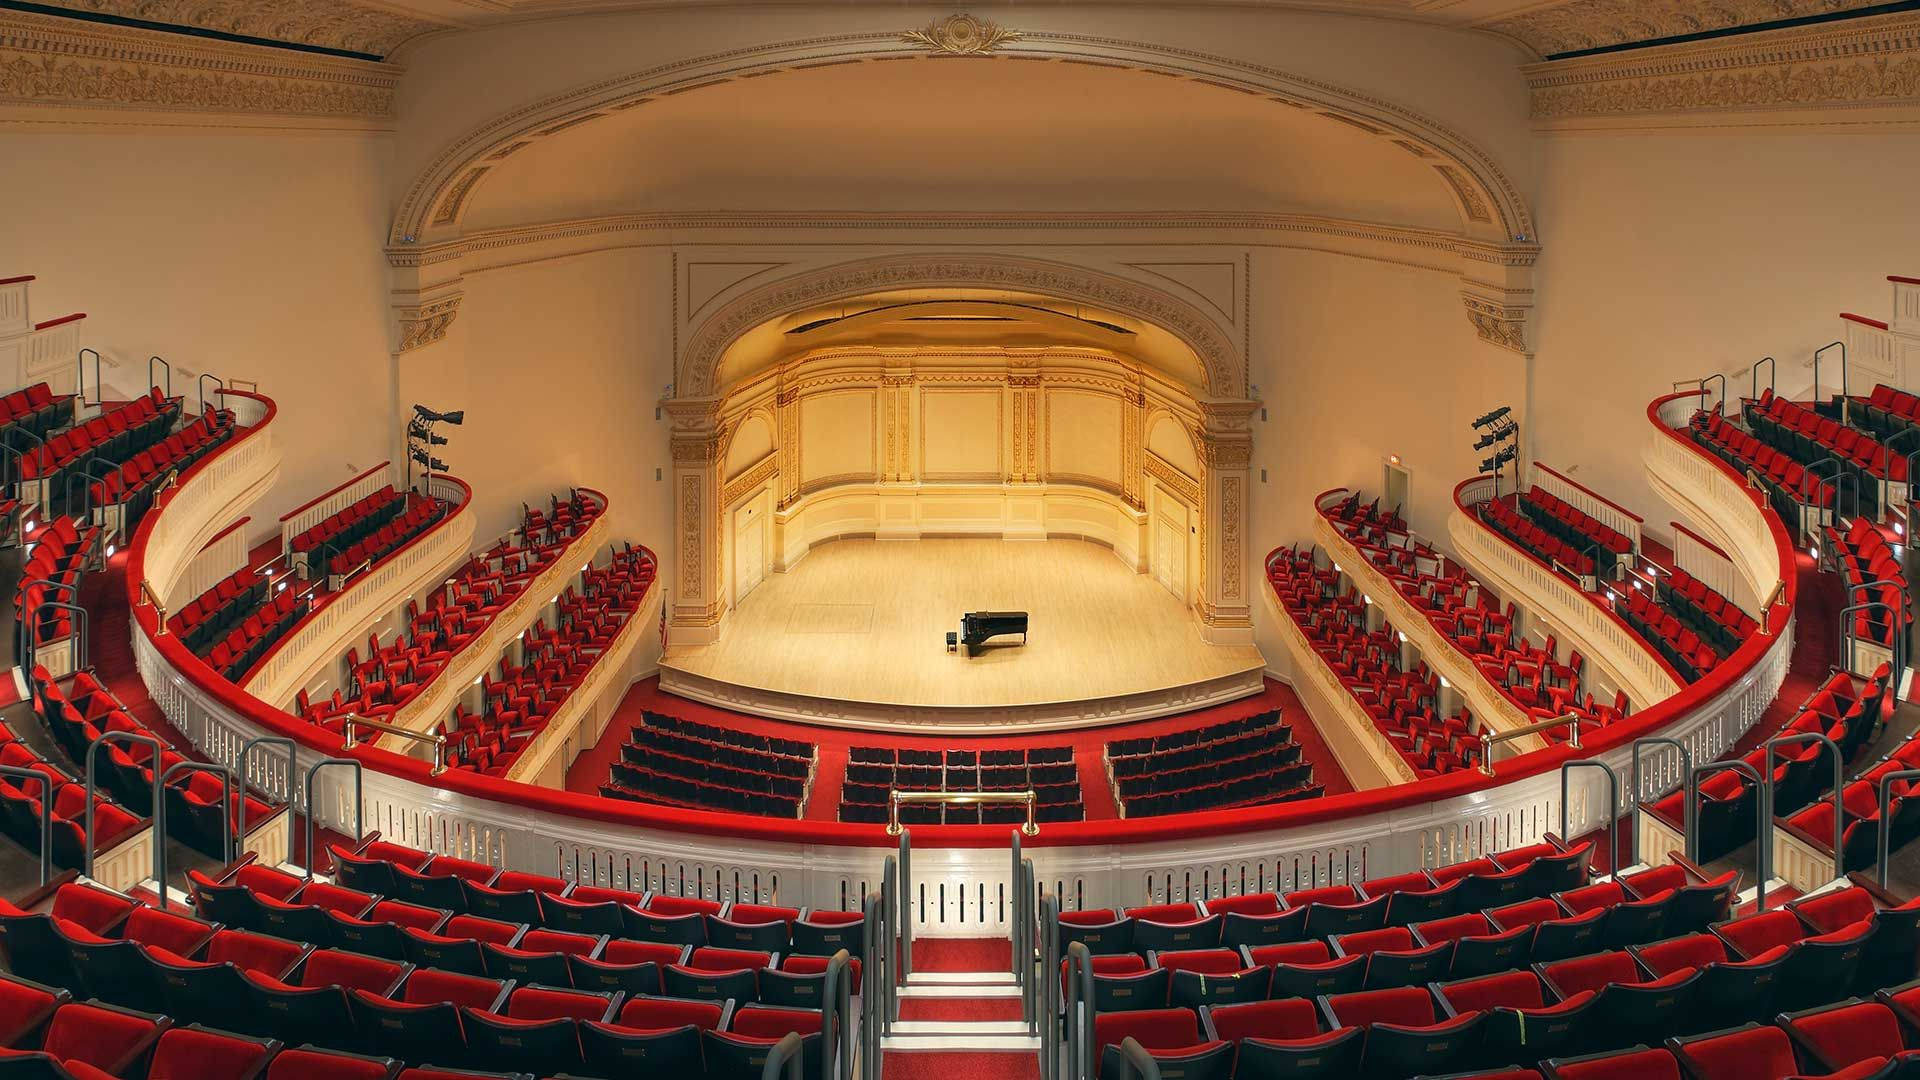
(562, 520)
(1861, 820)
(1874, 572)
(1811, 436)
(208, 617)
(36, 409)
(1575, 522)
(1535, 540)
(80, 710)
(1788, 481)
(1886, 411)
(248, 643)
(21, 803)
(142, 474)
(112, 435)
(1667, 635)
(350, 522)
(1717, 618)
(1724, 821)
(57, 554)
(419, 516)
(263, 985)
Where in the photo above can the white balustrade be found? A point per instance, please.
(1364, 754)
(573, 726)
(1707, 564)
(299, 520)
(223, 557)
(1608, 513)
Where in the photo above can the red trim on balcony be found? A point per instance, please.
(331, 492)
(1577, 485)
(1701, 540)
(61, 321)
(1862, 319)
(16, 280)
(1898, 280)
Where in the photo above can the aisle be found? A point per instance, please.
(960, 1016)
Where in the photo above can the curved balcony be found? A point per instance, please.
(1346, 837)
(1576, 614)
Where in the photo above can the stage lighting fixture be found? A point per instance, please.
(1489, 418)
(456, 417)
(432, 464)
(1487, 440)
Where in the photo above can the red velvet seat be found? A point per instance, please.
(196, 1053)
(1736, 1054)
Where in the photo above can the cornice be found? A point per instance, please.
(1430, 241)
(324, 24)
(1600, 24)
(61, 63)
(1863, 63)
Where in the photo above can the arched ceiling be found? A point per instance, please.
(928, 319)
(999, 134)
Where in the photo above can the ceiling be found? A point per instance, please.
(374, 30)
(908, 135)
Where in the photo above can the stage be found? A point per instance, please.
(856, 635)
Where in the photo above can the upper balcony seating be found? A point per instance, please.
(135, 483)
(1251, 761)
(213, 614)
(1528, 674)
(1789, 484)
(420, 515)
(1811, 438)
(1403, 705)
(1885, 412)
(553, 664)
(1874, 573)
(1577, 528)
(686, 763)
(33, 411)
(1530, 536)
(465, 991)
(114, 435)
(1049, 772)
(1844, 712)
(456, 613)
(1676, 639)
(58, 553)
(82, 710)
(315, 550)
(20, 803)
(236, 654)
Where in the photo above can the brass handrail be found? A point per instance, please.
(961, 798)
(146, 590)
(436, 740)
(1488, 740)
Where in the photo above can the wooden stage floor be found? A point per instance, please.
(866, 620)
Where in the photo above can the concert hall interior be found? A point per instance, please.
(1096, 540)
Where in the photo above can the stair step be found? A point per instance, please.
(960, 978)
(961, 1027)
(1025, 1044)
(962, 991)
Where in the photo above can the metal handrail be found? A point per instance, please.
(903, 885)
(23, 629)
(200, 387)
(1613, 805)
(1886, 840)
(1050, 996)
(1842, 346)
(246, 751)
(1896, 622)
(436, 740)
(1488, 739)
(227, 844)
(151, 381)
(46, 814)
(1135, 1062)
(1773, 368)
(1839, 781)
(1079, 1033)
(1031, 996)
(80, 377)
(836, 997)
(359, 802)
(1723, 389)
(896, 797)
(1762, 813)
(153, 770)
(79, 633)
(873, 928)
(160, 609)
(1686, 781)
(783, 1061)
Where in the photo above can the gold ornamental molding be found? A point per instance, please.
(52, 62)
(1844, 67)
(424, 324)
(961, 35)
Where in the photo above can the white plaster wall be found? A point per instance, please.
(1356, 359)
(250, 256)
(1674, 255)
(559, 366)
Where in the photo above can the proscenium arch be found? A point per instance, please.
(697, 367)
(1490, 206)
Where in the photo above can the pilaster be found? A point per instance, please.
(1226, 446)
(698, 584)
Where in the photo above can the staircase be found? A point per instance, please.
(960, 1016)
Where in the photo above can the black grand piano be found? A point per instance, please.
(977, 626)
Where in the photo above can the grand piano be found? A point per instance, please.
(977, 626)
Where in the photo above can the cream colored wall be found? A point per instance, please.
(1671, 256)
(1357, 359)
(250, 256)
(559, 366)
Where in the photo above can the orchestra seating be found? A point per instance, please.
(678, 762)
(1251, 761)
(133, 485)
(1846, 712)
(1404, 705)
(554, 661)
(1466, 613)
(456, 612)
(1049, 772)
(427, 962)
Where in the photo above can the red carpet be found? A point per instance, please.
(1816, 620)
(962, 954)
(589, 770)
(961, 1065)
(919, 1008)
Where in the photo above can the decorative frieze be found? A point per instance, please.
(425, 323)
(961, 35)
